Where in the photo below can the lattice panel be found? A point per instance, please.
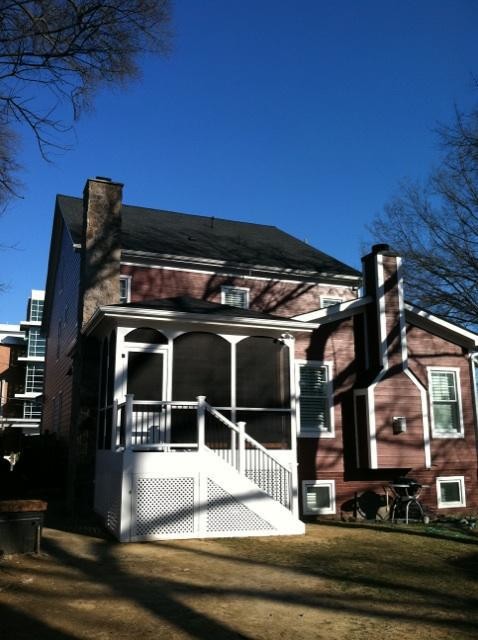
(272, 482)
(225, 513)
(164, 506)
(113, 513)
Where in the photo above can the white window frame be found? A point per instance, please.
(318, 433)
(226, 289)
(324, 298)
(446, 434)
(319, 511)
(451, 505)
(126, 279)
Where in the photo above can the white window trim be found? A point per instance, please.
(322, 298)
(441, 434)
(225, 289)
(329, 433)
(319, 483)
(451, 505)
(126, 279)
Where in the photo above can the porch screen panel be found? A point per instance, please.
(110, 388)
(146, 335)
(263, 373)
(270, 428)
(102, 400)
(145, 375)
(263, 383)
(202, 367)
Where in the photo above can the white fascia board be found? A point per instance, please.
(35, 359)
(444, 328)
(194, 318)
(336, 312)
(318, 276)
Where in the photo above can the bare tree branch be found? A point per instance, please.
(435, 227)
(57, 52)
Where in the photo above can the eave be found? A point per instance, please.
(440, 327)
(127, 314)
(335, 312)
(279, 273)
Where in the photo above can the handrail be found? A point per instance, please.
(269, 474)
(245, 454)
(235, 428)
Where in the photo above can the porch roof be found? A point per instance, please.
(186, 308)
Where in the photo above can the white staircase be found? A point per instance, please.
(160, 491)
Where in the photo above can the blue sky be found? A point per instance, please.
(304, 115)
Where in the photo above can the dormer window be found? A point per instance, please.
(235, 297)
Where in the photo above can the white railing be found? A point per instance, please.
(141, 425)
(250, 458)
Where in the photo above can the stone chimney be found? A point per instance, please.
(386, 330)
(101, 245)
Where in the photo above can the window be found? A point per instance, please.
(36, 343)
(446, 402)
(235, 297)
(125, 289)
(34, 378)
(315, 399)
(32, 410)
(451, 492)
(36, 310)
(318, 497)
(329, 302)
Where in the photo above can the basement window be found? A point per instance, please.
(451, 492)
(318, 497)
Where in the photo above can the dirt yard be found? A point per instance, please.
(334, 583)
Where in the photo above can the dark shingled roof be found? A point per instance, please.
(181, 234)
(187, 304)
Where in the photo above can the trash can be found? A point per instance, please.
(21, 523)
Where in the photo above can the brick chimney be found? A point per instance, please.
(101, 244)
(386, 331)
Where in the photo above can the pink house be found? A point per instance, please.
(220, 378)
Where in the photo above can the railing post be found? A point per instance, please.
(201, 419)
(128, 436)
(242, 448)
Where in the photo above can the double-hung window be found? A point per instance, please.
(315, 399)
(447, 419)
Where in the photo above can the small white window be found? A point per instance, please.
(329, 302)
(125, 289)
(235, 297)
(318, 496)
(315, 399)
(444, 385)
(451, 492)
